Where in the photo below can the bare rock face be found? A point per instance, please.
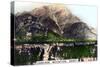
(56, 18)
(56, 13)
(79, 30)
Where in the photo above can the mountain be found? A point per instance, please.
(79, 30)
(56, 18)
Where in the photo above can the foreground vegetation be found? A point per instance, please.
(66, 52)
(50, 38)
(76, 52)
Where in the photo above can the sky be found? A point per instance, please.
(87, 14)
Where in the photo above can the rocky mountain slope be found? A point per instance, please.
(55, 18)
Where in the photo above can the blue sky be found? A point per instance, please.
(87, 14)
